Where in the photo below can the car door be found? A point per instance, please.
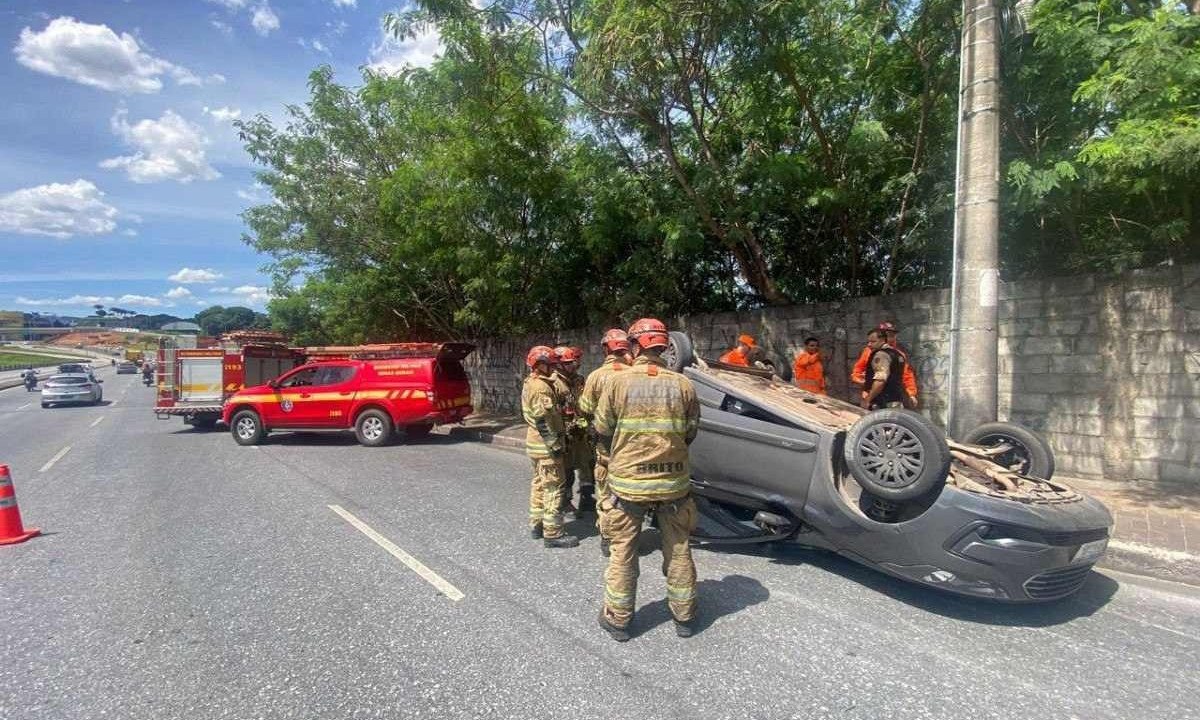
(333, 394)
(288, 408)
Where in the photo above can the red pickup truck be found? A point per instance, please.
(371, 389)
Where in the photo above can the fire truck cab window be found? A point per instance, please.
(333, 375)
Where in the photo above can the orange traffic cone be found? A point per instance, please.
(11, 530)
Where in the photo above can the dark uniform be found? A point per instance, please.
(887, 364)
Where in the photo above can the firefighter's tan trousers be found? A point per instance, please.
(620, 580)
(579, 457)
(545, 496)
(600, 477)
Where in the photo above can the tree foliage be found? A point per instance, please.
(581, 161)
(217, 319)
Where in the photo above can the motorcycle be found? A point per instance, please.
(147, 379)
(30, 382)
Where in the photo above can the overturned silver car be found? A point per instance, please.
(982, 517)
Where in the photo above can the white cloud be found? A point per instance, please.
(129, 232)
(96, 56)
(140, 301)
(264, 20)
(345, 3)
(222, 27)
(230, 4)
(73, 300)
(389, 56)
(169, 148)
(199, 275)
(223, 114)
(57, 210)
(253, 293)
(314, 45)
(254, 193)
(179, 292)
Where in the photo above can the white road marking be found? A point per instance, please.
(97, 421)
(24, 406)
(114, 402)
(413, 564)
(55, 459)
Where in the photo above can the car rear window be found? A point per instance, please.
(450, 370)
(69, 380)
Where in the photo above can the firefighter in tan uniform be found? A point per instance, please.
(616, 358)
(545, 442)
(646, 416)
(579, 457)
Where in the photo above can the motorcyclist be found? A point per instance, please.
(30, 378)
(147, 373)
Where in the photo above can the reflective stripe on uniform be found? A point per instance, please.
(681, 593)
(652, 425)
(674, 485)
(618, 599)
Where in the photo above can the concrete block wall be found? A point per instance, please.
(1107, 368)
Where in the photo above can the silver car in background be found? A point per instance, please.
(71, 388)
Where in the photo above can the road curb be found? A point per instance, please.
(1123, 555)
(1138, 559)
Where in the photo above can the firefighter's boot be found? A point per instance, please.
(587, 500)
(619, 634)
(535, 532)
(685, 629)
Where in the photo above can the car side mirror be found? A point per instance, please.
(274, 384)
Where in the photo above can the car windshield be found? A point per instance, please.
(69, 380)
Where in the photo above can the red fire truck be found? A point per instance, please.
(194, 383)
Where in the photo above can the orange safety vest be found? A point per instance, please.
(735, 357)
(809, 373)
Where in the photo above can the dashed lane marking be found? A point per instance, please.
(56, 458)
(24, 406)
(413, 564)
(97, 421)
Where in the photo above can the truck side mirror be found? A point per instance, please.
(273, 384)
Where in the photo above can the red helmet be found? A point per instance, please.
(886, 326)
(568, 354)
(615, 339)
(649, 333)
(541, 354)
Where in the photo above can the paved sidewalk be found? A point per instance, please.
(1156, 526)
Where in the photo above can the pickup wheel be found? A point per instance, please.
(373, 428)
(897, 455)
(1029, 453)
(247, 428)
(418, 431)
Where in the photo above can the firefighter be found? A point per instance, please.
(646, 416)
(859, 373)
(741, 353)
(616, 357)
(545, 443)
(808, 370)
(884, 381)
(578, 456)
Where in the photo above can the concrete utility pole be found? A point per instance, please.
(974, 293)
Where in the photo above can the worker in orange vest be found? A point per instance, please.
(740, 355)
(808, 371)
(858, 376)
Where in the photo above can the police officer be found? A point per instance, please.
(578, 455)
(616, 357)
(646, 416)
(545, 443)
(884, 381)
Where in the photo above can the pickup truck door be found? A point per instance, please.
(333, 394)
(289, 408)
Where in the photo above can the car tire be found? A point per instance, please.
(680, 352)
(247, 428)
(45, 405)
(1031, 454)
(897, 455)
(373, 428)
(418, 431)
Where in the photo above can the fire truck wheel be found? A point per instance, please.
(418, 431)
(247, 428)
(373, 428)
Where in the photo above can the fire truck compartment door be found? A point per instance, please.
(201, 379)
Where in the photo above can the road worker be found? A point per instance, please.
(884, 384)
(616, 358)
(646, 416)
(580, 458)
(545, 444)
(808, 370)
(741, 353)
(859, 373)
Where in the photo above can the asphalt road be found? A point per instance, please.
(182, 576)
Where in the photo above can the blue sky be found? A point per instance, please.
(121, 176)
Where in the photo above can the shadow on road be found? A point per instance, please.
(1097, 590)
(716, 599)
(78, 406)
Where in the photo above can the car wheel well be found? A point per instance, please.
(371, 406)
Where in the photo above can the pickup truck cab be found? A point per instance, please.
(372, 390)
